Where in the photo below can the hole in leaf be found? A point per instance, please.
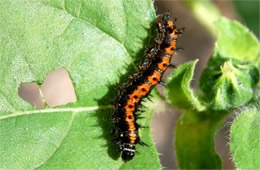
(57, 89)
(30, 92)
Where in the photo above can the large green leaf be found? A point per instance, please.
(195, 134)
(245, 139)
(94, 41)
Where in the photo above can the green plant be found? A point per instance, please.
(228, 82)
(98, 39)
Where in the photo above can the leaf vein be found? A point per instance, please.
(54, 110)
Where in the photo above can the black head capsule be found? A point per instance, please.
(128, 152)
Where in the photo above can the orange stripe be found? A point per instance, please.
(170, 24)
(163, 65)
(130, 106)
(154, 78)
(143, 89)
(135, 96)
(129, 117)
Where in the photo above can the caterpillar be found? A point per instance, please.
(139, 85)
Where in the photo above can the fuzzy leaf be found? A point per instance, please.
(228, 83)
(195, 134)
(94, 41)
(245, 139)
(178, 90)
(236, 41)
(231, 76)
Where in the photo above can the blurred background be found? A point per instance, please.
(198, 43)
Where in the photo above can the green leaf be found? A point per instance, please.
(178, 91)
(236, 41)
(245, 139)
(195, 134)
(248, 16)
(228, 83)
(230, 79)
(94, 41)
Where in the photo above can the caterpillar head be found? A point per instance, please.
(128, 152)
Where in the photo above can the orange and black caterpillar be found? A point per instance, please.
(140, 84)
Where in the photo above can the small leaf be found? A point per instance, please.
(195, 134)
(236, 41)
(245, 139)
(178, 90)
(228, 83)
